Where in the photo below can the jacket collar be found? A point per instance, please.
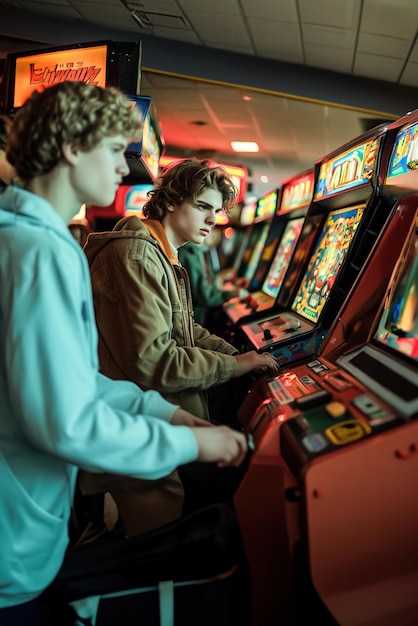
(156, 230)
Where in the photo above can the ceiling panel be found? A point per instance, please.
(371, 39)
(343, 15)
(394, 18)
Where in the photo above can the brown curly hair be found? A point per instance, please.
(184, 181)
(71, 111)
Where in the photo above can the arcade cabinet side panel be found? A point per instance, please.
(361, 526)
(260, 506)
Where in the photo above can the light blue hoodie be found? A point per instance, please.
(57, 412)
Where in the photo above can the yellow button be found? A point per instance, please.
(335, 409)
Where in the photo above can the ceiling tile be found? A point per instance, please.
(177, 34)
(276, 40)
(284, 11)
(410, 77)
(330, 13)
(394, 19)
(222, 7)
(329, 36)
(214, 28)
(382, 45)
(93, 12)
(414, 54)
(64, 11)
(382, 68)
(324, 57)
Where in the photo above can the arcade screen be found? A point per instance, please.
(151, 146)
(135, 199)
(326, 261)
(266, 205)
(273, 238)
(398, 326)
(248, 213)
(280, 263)
(253, 237)
(299, 258)
(256, 252)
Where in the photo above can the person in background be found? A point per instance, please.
(58, 413)
(143, 306)
(208, 294)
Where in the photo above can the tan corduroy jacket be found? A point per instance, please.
(145, 317)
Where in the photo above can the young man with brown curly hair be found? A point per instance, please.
(144, 310)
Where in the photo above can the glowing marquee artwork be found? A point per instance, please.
(347, 170)
(47, 69)
(266, 205)
(103, 63)
(404, 157)
(297, 194)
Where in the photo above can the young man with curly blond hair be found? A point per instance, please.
(57, 412)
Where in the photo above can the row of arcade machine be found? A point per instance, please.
(269, 247)
(251, 240)
(327, 508)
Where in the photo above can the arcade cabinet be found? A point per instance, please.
(234, 242)
(352, 209)
(294, 199)
(263, 216)
(326, 508)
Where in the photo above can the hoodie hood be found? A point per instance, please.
(131, 227)
(17, 205)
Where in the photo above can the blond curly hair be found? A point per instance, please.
(71, 111)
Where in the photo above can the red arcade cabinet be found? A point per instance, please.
(294, 199)
(327, 508)
(352, 209)
(263, 216)
(235, 241)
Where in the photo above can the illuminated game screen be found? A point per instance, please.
(249, 247)
(326, 261)
(273, 239)
(280, 263)
(398, 327)
(266, 205)
(299, 258)
(248, 213)
(256, 252)
(151, 147)
(136, 198)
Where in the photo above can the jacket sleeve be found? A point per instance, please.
(205, 292)
(204, 339)
(59, 402)
(136, 320)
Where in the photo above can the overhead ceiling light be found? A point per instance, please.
(245, 146)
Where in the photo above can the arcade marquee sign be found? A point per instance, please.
(347, 170)
(103, 63)
(45, 70)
